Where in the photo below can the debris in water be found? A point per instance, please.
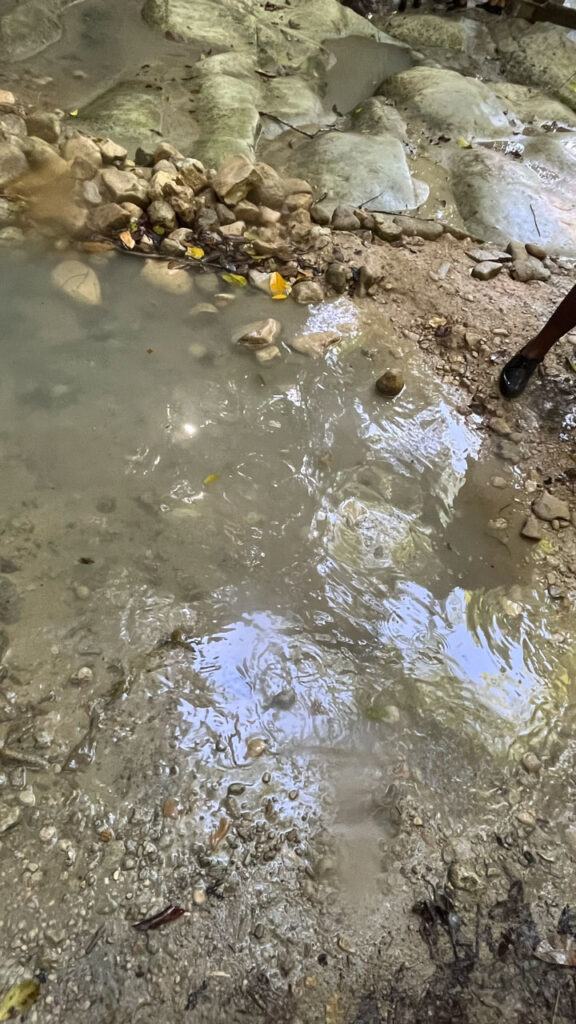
(164, 917)
(220, 833)
(19, 999)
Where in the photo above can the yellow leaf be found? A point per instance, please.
(159, 230)
(235, 279)
(127, 240)
(195, 252)
(279, 288)
(212, 478)
(572, 85)
(73, 113)
(19, 999)
(133, 225)
(463, 143)
(437, 321)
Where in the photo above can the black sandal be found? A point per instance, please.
(516, 374)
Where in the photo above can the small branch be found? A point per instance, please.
(535, 221)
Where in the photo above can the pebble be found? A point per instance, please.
(489, 256)
(500, 426)
(48, 833)
(78, 281)
(85, 674)
(531, 763)
(499, 482)
(337, 277)
(305, 292)
(315, 344)
(159, 274)
(391, 383)
(27, 797)
(344, 219)
(236, 789)
(260, 334)
(486, 271)
(256, 747)
(199, 896)
(526, 819)
(462, 877)
(81, 591)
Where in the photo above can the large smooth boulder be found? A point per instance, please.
(432, 32)
(352, 168)
(541, 55)
(532, 106)
(136, 116)
(501, 199)
(448, 101)
(29, 27)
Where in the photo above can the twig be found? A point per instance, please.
(556, 1006)
(309, 135)
(535, 221)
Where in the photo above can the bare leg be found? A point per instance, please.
(519, 369)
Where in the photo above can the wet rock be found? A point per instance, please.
(355, 169)
(78, 281)
(532, 529)
(203, 310)
(13, 163)
(124, 187)
(160, 275)
(448, 101)
(91, 193)
(548, 507)
(9, 816)
(486, 271)
(81, 591)
(500, 426)
(344, 219)
(522, 48)
(266, 355)
(531, 763)
(489, 256)
(27, 797)
(428, 229)
(315, 344)
(8, 212)
(378, 116)
(391, 383)
(260, 334)
(529, 269)
(161, 215)
(109, 219)
(462, 877)
(336, 277)
(256, 747)
(321, 214)
(45, 125)
(306, 292)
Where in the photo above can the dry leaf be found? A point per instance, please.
(237, 279)
(127, 240)
(73, 113)
(557, 949)
(463, 143)
(220, 833)
(333, 1013)
(19, 999)
(212, 478)
(437, 321)
(195, 252)
(279, 288)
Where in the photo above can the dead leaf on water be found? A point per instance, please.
(211, 479)
(463, 143)
(73, 113)
(279, 288)
(127, 240)
(220, 833)
(195, 252)
(19, 999)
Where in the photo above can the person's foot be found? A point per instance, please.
(516, 374)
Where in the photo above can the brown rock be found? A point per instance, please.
(165, 167)
(298, 201)
(161, 275)
(260, 334)
(12, 124)
(13, 163)
(538, 251)
(161, 215)
(83, 170)
(489, 256)
(44, 125)
(166, 151)
(72, 218)
(320, 214)
(6, 96)
(193, 174)
(111, 152)
(134, 211)
(91, 193)
(248, 212)
(267, 187)
(315, 344)
(529, 269)
(548, 507)
(81, 146)
(386, 229)
(235, 230)
(500, 426)
(337, 277)
(486, 271)
(411, 226)
(225, 215)
(531, 763)
(109, 219)
(344, 219)
(124, 187)
(78, 281)
(43, 157)
(233, 180)
(391, 383)
(308, 292)
(160, 185)
(517, 250)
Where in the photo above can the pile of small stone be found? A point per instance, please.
(524, 262)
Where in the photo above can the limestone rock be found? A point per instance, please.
(13, 163)
(489, 256)
(233, 180)
(448, 101)
(529, 269)
(306, 292)
(540, 55)
(344, 219)
(160, 275)
(260, 334)
(78, 281)
(162, 215)
(109, 219)
(124, 187)
(378, 116)
(315, 344)
(83, 147)
(532, 529)
(548, 507)
(428, 229)
(45, 125)
(112, 153)
(29, 27)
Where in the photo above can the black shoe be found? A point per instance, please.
(516, 374)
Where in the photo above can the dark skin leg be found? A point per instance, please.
(519, 369)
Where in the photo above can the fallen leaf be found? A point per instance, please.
(463, 143)
(333, 1014)
(73, 113)
(127, 240)
(195, 252)
(237, 279)
(19, 999)
(159, 230)
(212, 478)
(437, 321)
(557, 949)
(279, 288)
(166, 916)
(149, 351)
(220, 833)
